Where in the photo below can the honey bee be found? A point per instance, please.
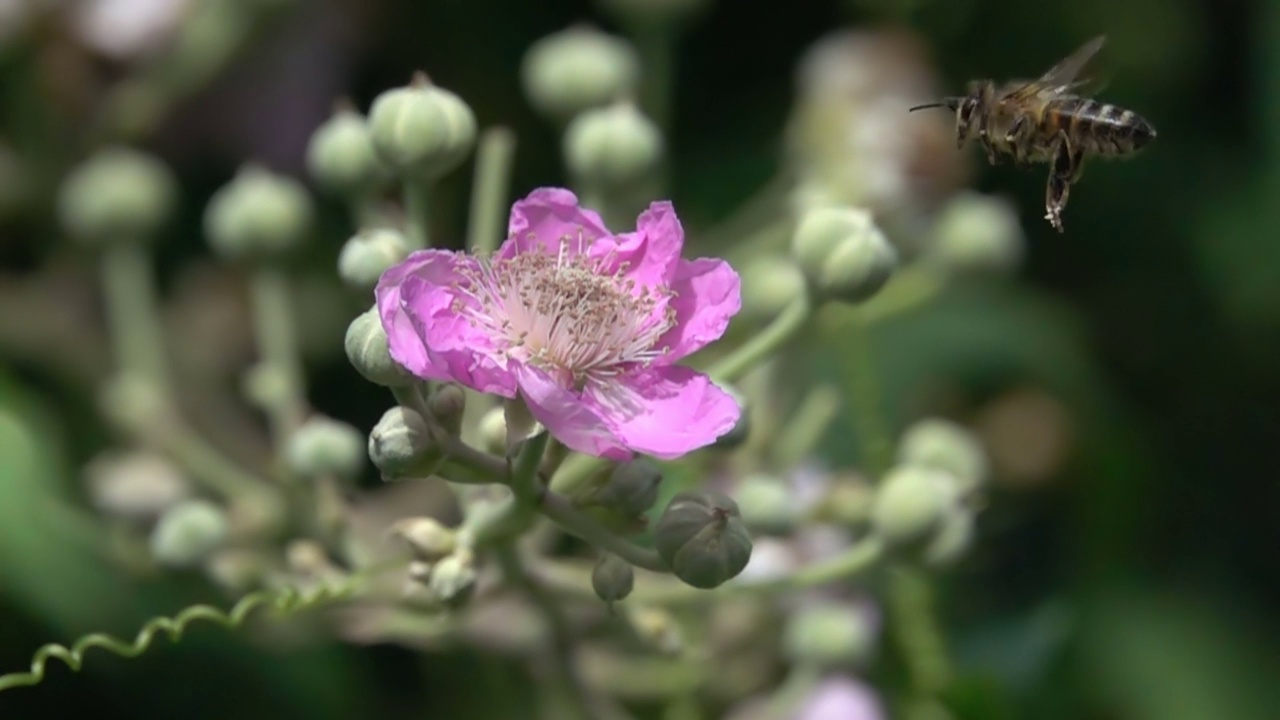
(1048, 120)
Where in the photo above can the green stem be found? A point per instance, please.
(576, 471)
(806, 426)
(134, 323)
(864, 397)
(520, 510)
(490, 189)
(562, 512)
(916, 630)
(566, 684)
(417, 210)
(275, 326)
(784, 327)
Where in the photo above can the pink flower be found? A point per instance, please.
(583, 324)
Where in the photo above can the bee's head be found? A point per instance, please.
(967, 109)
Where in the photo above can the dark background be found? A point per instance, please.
(1139, 581)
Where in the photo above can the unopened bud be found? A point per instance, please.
(978, 233)
(848, 501)
(953, 539)
(188, 532)
(911, 504)
(454, 578)
(631, 488)
(769, 284)
(447, 403)
(134, 402)
(656, 628)
(576, 69)
(259, 214)
(842, 253)
(612, 147)
(429, 540)
(117, 195)
(766, 503)
(368, 254)
(422, 131)
(948, 446)
(369, 353)
(703, 539)
(492, 430)
(324, 446)
(340, 155)
(401, 445)
(612, 578)
(136, 486)
(831, 635)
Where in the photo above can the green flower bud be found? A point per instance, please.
(842, 253)
(401, 445)
(766, 503)
(703, 539)
(848, 501)
(117, 195)
(612, 147)
(258, 214)
(492, 430)
(429, 540)
(830, 635)
(422, 131)
(612, 578)
(367, 350)
(188, 533)
(447, 403)
(978, 233)
(454, 578)
(323, 446)
(340, 155)
(947, 446)
(631, 488)
(368, 254)
(953, 539)
(576, 69)
(266, 385)
(769, 284)
(137, 486)
(911, 504)
(657, 629)
(133, 402)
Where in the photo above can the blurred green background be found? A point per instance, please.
(1131, 574)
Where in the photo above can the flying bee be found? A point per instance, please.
(1047, 120)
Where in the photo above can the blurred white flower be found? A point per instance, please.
(124, 29)
(841, 697)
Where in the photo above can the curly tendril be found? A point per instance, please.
(284, 601)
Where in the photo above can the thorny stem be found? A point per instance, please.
(784, 327)
(567, 684)
(417, 210)
(490, 188)
(275, 326)
(563, 513)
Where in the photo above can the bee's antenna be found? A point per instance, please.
(950, 103)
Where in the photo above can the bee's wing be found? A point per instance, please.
(1063, 77)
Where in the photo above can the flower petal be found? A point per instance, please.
(567, 416)
(665, 411)
(708, 293)
(455, 348)
(437, 267)
(545, 217)
(652, 252)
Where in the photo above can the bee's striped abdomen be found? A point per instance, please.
(1100, 129)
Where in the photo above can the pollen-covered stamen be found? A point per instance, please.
(564, 311)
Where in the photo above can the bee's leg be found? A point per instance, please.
(985, 140)
(1065, 169)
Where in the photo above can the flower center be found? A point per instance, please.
(565, 312)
